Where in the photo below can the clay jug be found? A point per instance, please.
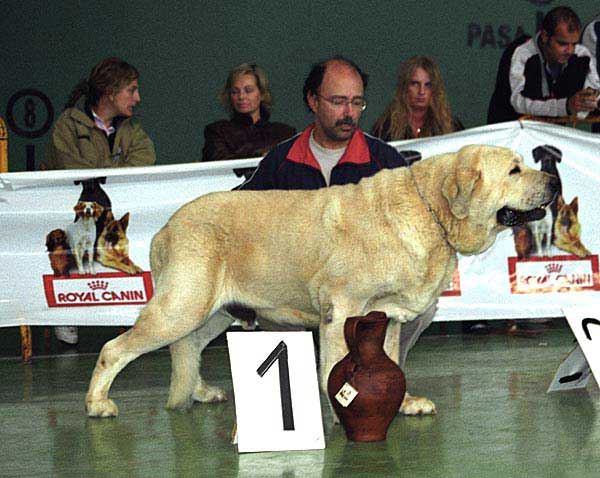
(378, 380)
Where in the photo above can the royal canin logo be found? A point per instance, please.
(564, 273)
(111, 288)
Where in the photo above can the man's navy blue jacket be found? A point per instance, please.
(292, 165)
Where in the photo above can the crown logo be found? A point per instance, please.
(98, 284)
(554, 268)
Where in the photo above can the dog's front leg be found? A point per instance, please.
(392, 340)
(90, 255)
(332, 349)
(78, 260)
(332, 344)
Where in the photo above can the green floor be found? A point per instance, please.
(495, 420)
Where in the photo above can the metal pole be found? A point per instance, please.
(26, 349)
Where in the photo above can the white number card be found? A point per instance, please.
(585, 323)
(346, 394)
(276, 391)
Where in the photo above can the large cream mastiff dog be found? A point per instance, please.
(314, 258)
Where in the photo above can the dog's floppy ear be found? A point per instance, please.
(555, 152)
(49, 240)
(124, 221)
(78, 210)
(97, 210)
(458, 188)
(537, 153)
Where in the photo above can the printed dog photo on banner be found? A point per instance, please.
(93, 237)
(552, 246)
(559, 227)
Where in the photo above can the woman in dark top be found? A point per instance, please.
(420, 107)
(248, 133)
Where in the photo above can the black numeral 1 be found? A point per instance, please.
(585, 324)
(280, 353)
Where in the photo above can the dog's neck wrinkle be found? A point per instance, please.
(452, 230)
(469, 236)
(434, 215)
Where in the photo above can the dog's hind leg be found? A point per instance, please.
(167, 318)
(217, 324)
(187, 384)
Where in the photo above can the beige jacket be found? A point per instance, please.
(76, 143)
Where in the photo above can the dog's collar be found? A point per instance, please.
(443, 231)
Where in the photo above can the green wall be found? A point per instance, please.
(184, 51)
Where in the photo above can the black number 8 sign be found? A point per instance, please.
(28, 119)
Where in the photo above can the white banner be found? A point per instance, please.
(521, 276)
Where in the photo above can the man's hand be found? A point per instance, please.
(584, 100)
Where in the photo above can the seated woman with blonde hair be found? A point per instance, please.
(248, 133)
(420, 107)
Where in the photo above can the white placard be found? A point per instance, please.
(276, 391)
(346, 394)
(573, 372)
(585, 323)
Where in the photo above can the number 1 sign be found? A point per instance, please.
(585, 323)
(276, 391)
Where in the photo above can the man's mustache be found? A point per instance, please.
(345, 120)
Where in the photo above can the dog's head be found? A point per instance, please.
(114, 235)
(489, 188)
(90, 209)
(56, 238)
(567, 213)
(547, 153)
(549, 157)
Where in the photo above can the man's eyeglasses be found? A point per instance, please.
(340, 102)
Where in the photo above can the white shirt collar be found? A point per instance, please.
(101, 125)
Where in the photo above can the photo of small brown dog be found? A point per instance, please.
(523, 239)
(112, 248)
(59, 252)
(567, 230)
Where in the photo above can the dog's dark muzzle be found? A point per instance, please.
(512, 217)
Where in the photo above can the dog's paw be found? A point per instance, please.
(209, 393)
(417, 406)
(179, 404)
(101, 408)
